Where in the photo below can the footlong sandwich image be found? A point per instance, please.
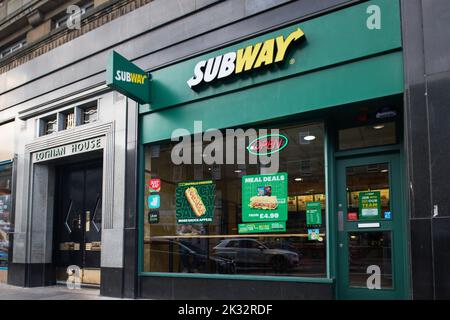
(195, 201)
(263, 202)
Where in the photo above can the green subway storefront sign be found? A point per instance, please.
(127, 78)
(335, 59)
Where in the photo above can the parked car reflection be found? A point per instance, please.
(184, 256)
(252, 254)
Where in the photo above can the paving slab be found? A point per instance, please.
(8, 292)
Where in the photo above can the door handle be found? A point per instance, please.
(340, 215)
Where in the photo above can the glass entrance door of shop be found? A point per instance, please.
(371, 242)
(78, 217)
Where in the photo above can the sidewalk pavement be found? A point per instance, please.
(8, 292)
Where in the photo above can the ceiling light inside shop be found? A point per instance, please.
(309, 138)
(298, 179)
(238, 171)
(384, 170)
(378, 127)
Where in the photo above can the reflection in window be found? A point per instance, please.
(12, 47)
(5, 217)
(218, 247)
(69, 120)
(89, 115)
(370, 252)
(366, 178)
(50, 125)
(367, 136)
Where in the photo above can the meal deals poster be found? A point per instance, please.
(369, 205)
(264, 197)
(195, 202)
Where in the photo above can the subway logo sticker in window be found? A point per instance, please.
(265, 53)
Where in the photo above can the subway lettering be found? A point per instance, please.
(130, 77)
(245, 59)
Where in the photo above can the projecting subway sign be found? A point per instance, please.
(124, 76)
(244, 59)
(69, 149)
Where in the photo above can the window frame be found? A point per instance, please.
(368, 124)
(76, 109)
(269, 124)
(12, 47)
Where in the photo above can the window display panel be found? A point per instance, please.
(237, 218)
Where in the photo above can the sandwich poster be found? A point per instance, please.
(195, 202)
(264, 197)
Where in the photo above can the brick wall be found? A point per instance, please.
(33, 50)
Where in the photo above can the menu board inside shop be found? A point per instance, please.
(292, 204)
(303, 200)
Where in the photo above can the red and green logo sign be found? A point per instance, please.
(154, 185)
(268, 144)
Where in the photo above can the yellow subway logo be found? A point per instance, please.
(130, 77)
(245, 59)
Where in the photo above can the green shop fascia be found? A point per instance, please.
(288, 77)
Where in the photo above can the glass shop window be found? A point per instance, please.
(68, 119)
(6, 51)
(49, 125)
(89, 114)
(5, 217)
(236, 218)
(368, 136)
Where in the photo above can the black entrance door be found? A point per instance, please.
(78, 217)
